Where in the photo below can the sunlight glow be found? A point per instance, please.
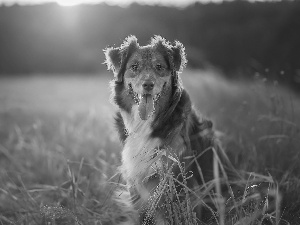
(110, 2)
(68, 2)
(123, 3)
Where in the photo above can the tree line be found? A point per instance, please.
(238, 37)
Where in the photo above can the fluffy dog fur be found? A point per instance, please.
(156, 121)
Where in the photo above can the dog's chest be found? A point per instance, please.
(139, 147)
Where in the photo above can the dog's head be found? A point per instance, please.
(147, 73)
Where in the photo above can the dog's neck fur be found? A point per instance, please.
(139, 147)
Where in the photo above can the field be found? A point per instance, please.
(59, 151)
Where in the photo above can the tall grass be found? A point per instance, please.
(59, 166)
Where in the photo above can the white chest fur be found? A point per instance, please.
(139, 147)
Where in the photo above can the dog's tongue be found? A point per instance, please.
(146, 106)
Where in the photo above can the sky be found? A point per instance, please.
(112, 2)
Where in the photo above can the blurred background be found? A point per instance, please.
(56, 118)
(238, 37)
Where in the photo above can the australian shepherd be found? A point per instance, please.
(168, 149)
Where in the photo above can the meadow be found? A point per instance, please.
(59, 151)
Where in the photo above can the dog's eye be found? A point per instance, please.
(134, 67)
(158, 67)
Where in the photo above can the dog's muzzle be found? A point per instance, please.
(146, 102)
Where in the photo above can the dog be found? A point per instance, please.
(159, 128)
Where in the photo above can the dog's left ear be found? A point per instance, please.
(178, 56)
(175, 52)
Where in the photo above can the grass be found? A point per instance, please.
(59, 151)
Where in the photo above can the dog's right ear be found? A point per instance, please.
(112, 59)
(116, 58)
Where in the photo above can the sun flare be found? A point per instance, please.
(68, 2)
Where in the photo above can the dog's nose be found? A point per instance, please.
(148, 85)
